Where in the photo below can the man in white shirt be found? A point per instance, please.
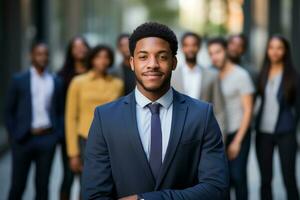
(34, 123)
(198, 82)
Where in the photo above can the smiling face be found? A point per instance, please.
(152, 64)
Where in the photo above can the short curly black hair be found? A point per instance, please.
(153, 29)
(97, 49)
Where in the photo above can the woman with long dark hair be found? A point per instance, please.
(74, 64)
(278, 115)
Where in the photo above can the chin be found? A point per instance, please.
(153, 88)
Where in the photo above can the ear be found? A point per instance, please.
(131, 63)
(174, 63)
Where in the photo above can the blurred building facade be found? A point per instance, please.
(56, 21)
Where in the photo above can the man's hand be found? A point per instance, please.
(75, 164)
(132, 197)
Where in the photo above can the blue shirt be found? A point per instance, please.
(143, 116)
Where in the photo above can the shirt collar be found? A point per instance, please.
(34, 72)
(166, 100)
(194, 69)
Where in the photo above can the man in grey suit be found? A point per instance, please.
(198, 82)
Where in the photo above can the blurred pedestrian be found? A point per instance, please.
(238, 92)
(33, 117)
(236, 49)
(124, 71)
(85, 93)
(74, 64)
(278, 116)
(196, 81)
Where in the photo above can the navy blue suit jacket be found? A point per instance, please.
(289, 114)
(18, 109)
(194, 168)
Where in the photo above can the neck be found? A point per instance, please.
(79, 67)
(277, 66)
(228, 65)
(99, 74)
(155, 95)
(40, 70)
(191, 65)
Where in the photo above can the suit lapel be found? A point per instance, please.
(133, 134)
(27, 80)
(178, 120)
(203, 84)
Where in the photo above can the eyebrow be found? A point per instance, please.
(162, 51)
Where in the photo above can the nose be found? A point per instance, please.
(153, 63)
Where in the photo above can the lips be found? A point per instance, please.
(152, 74)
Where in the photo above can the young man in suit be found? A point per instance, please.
(196, 81)
(33, 118)
(155, 143)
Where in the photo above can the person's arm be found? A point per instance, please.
(71, 119)
(219, 105)
(235, 145)
(97, 174)
(213, 179)
(59, 108)
(10, 106)
(297, 98)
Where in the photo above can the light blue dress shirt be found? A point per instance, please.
(143, 116)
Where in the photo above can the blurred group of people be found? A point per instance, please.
(44, 109)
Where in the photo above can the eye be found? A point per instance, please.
(142, 57)
(163, 57)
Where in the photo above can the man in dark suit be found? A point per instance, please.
(33, 118)
(155, 143)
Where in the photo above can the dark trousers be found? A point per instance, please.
(238, 168)
(68, 175)
(22, 156)
(287, 147)
(82, 144)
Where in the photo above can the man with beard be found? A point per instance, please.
(155, 143)
(196, 81)
(236, 49)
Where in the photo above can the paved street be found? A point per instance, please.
(253, 174)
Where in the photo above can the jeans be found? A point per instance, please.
(238, 167)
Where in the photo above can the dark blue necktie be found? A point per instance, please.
(155, 159)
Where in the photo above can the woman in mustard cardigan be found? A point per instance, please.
(85, 93)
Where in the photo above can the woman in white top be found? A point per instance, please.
(278, 116)
(238, 92)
